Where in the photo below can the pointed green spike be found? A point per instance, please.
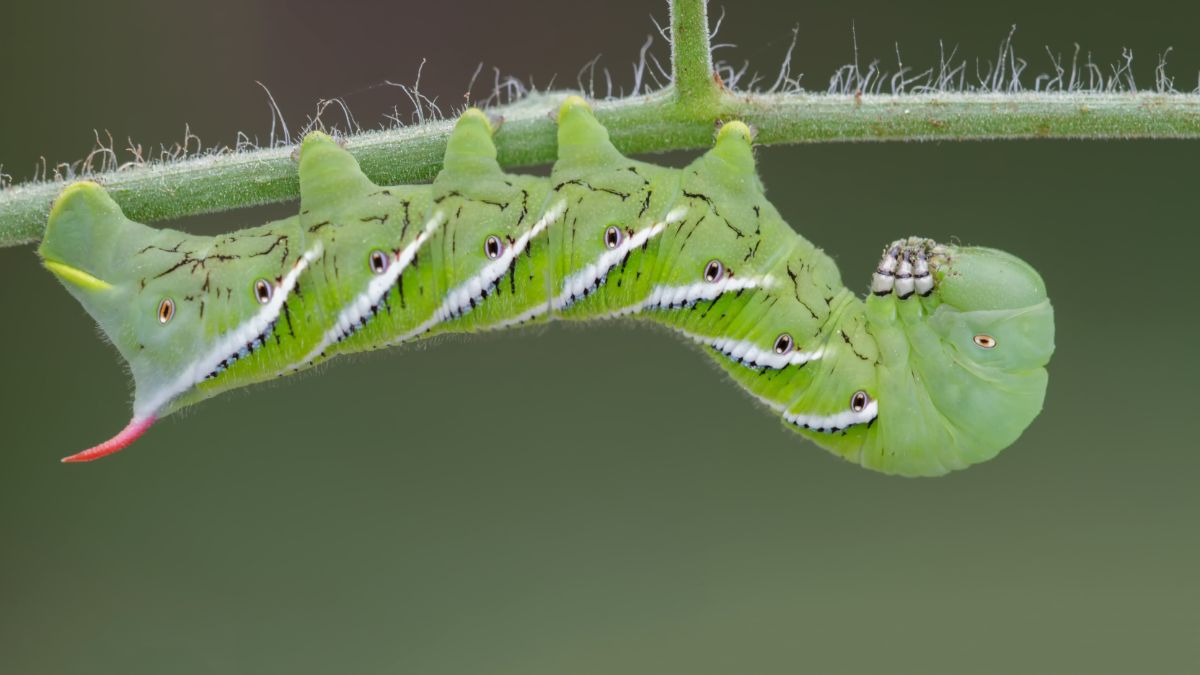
(470, 151)
(733, 145)
(730, 162)
(83, 233)
(329, 175)
(582, 140)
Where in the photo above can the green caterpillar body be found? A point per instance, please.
(942, 366)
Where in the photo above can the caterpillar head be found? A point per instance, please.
(962, 371)
(994, 312)
(174, 305)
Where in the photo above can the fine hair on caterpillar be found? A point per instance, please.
(897, 382)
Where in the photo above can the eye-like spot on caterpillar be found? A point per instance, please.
(613, 236)
(784, 343)
(493, 247)
(263, 291)
(713, 271)
(378, 261)
(985, 341)
(166, 310)
(859, 401)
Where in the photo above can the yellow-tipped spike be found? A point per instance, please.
(736, 127)
(573, 101)
(76, 276)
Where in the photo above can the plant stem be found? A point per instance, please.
(691, 56)
(679, 117)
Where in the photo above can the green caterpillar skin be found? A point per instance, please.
(940, 368)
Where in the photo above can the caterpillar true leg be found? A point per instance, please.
(908, 266)
(941, 366)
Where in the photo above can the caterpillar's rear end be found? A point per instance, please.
(941, 367)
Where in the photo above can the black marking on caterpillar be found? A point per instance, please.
(616, 193)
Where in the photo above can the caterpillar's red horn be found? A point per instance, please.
(129, 434)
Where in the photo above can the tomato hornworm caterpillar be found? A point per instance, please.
(940, 367)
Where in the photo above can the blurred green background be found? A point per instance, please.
(597, 499)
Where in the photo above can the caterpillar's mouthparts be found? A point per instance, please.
(129, 434)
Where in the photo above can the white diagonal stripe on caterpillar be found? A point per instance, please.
(580, 284)
(749, 354)
(586, 278)
(835, 422)
(361, 305)
(462, 296)
(234, 342)
(677, 297)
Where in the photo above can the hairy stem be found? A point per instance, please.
(679, 117)
(691, 56)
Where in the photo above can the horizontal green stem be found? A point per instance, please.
(643, 124)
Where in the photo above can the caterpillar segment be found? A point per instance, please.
(939, 367)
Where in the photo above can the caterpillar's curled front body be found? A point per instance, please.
(940, 367)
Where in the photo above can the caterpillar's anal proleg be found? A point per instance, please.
(940, 367)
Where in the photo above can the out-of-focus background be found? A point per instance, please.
(599, 499)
